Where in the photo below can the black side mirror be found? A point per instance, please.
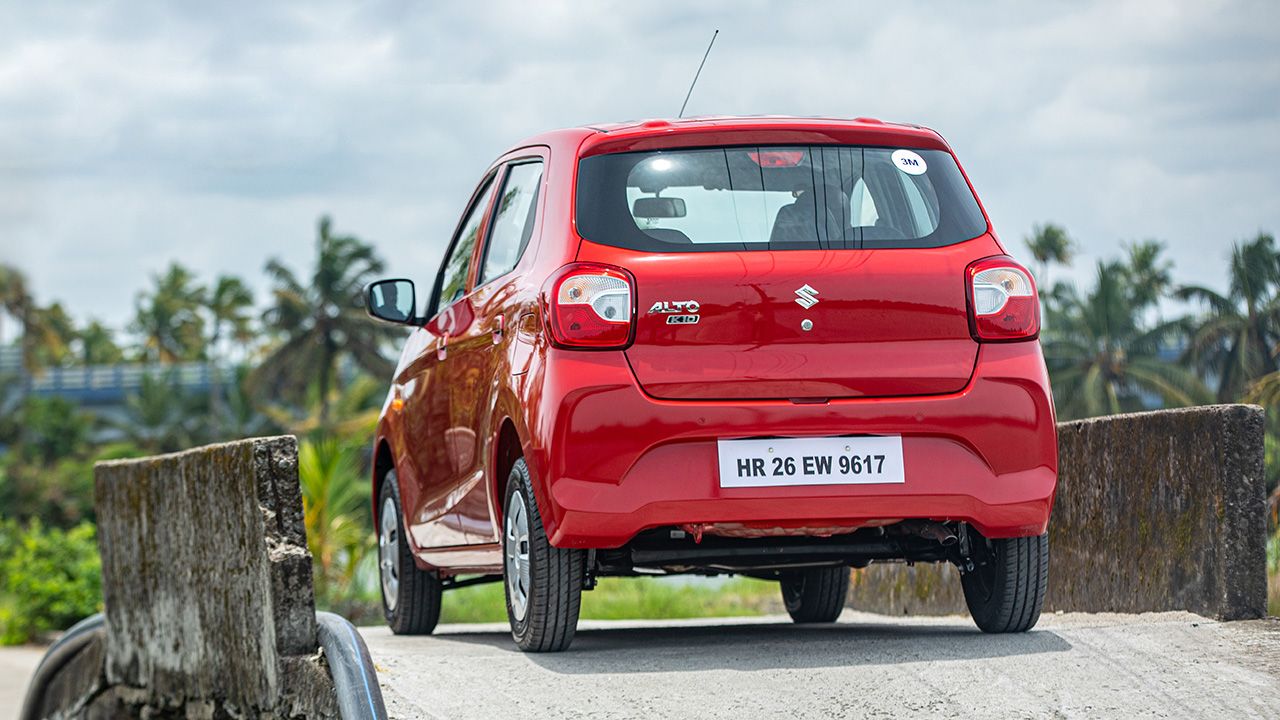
(392, 301)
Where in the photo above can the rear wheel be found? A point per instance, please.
(815, 595)
(1005, 589)
(410, 597)
(544, 583)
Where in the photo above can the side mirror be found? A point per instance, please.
(392, 301)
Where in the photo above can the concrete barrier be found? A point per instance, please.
(1155, 511)
(209, 605)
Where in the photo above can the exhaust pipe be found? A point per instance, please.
(929, 530)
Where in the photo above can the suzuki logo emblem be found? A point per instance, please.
(806, 296)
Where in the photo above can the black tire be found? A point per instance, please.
(1005, 589)
(815, 595)
(554, 591)
(415, 608)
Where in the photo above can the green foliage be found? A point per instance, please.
(168, 319)
(335, 498)
(1049, 244)
(321, 322)
(98, 345)
(51, 429)
(48, 333)
(1236, 340)
(229, 305)
(631, 599)
(49, 579)
(161, 418)
(46, 474)
(1103, 354)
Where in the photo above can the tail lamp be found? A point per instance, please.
(590, 306)
(1003, 305)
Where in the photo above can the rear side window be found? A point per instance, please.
(770, 197)
(513, 221)
(453, 273)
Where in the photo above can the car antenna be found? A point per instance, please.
(695, 75)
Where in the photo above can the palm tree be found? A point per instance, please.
(1236, 341)
(228, 306)
(1102, 360)
(14, 298)
(168, 319)
(322, 322)
(97, 345)
(1049, 244)
(1149, 274)
(47, 336)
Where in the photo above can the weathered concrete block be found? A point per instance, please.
(920, 589)
(1161, 511)
(206, 575)
(1155, 511)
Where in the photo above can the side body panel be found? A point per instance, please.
(483, 376)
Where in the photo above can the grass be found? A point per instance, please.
(632, 599)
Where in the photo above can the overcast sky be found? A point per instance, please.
(215, 134)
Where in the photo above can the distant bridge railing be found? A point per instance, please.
(110, 384)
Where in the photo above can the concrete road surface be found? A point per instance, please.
(16, 666)
(1160, 665)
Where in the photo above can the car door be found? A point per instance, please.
(432, 441)
(476, 351)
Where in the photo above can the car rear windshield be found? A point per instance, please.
(772, 198)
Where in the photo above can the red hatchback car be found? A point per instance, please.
(775, 347)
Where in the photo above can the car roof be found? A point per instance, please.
(659, 133)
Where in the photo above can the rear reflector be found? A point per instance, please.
(590, 306)
(1003, 305)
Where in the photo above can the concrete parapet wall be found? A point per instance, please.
(207, 582)
(1155, 511)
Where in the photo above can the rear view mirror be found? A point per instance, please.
(391, 301)
(658, 207)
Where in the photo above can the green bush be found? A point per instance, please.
(49, 579)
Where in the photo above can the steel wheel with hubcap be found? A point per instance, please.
(544, 583)
(516, 549)
(410, 596)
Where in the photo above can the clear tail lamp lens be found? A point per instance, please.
(1002, 301)
(590, 306)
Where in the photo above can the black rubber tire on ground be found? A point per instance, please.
(554, 594)
(1005, 590)
(417, 605)
(815, 595)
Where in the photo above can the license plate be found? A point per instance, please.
(811, 461)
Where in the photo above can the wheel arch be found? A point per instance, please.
(507, 450)
(383, 462)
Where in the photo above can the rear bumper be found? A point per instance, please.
(626, 462)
